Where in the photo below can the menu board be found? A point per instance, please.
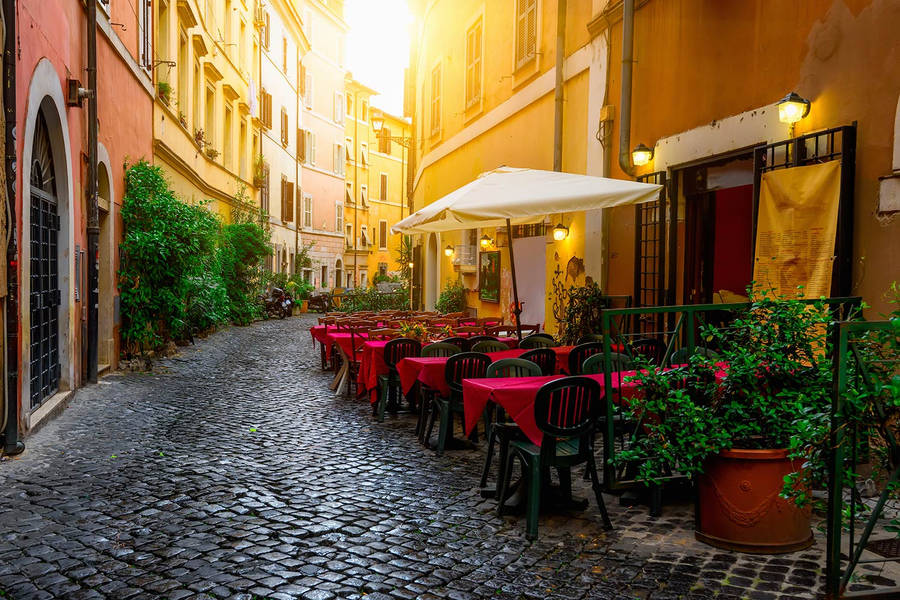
(796, 227)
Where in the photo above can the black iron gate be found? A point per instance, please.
(838, 143)
(650, 251)
(45, 295)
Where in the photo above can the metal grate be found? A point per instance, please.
(889, 548)
(650, 250)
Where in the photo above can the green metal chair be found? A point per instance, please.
(487, 346)
(579, 353)
(683, 355)
(440, 349)
(593, 364)
(462, 343)
(388, 385)
(499, 427)
(536, 340)
(545, 358)
(565, 410)
(465, 365)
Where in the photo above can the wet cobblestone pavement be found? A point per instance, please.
(233, 472)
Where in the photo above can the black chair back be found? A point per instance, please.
(440, 349)
(481, 338)
(545, 358)
(486, 346)
(649, 348)
(513, 367)
(567, 407)
(460, 342)
(537, 340)
(594, 363)
(579, 353)
(400, 348)
(588, 338)
(465, 365)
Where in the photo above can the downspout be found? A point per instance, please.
(93, 225)
(356, 206)
(560, 83)
(297, 193)
(627, 68)
(11, 443)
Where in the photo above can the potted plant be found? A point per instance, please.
(182, 118)
(164, 91)
(414, 330)
(729, 423)
(260, 170)
(212, 153)
(199, 138)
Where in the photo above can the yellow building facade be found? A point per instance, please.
(206, 122)
(481, 90)
(375, 197)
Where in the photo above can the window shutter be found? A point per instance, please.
(348, 196)
(284, 128)
(312, 152)
(287, 202)
(384, 185)
(301, 145)
(382, 234)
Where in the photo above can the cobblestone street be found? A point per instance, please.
(232, 471)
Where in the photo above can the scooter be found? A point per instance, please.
(278, 303)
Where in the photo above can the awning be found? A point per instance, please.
(522, 196)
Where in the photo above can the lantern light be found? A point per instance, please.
(792, 108)
(448, 251)
(560, 232)
(641, 155)
(377, 121)
(486, 241)
(410, 265)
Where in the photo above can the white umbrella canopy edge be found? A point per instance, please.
(522, 196)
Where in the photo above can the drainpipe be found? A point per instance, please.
(627, 68)
(93, 226)
(11, 443)
(560, 82)
(297, 173)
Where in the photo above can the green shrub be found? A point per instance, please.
(452, 298)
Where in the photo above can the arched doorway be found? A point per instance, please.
(338, 273)
(432, 276)
(106, 341)
(44, 295)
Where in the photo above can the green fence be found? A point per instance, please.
(863, 430)
(662, 333)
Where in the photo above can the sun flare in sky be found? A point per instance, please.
(378, 48)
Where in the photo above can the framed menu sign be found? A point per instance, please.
(489, 276)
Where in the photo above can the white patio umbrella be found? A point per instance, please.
(510, 196)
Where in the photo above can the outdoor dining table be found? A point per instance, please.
(429, 370)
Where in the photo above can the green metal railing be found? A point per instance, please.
(679, 327)
(860, 371)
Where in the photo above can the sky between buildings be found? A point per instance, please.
(378, 48)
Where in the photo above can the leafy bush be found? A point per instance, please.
(182, 270)
(581, 311)
(452, 298)
(371, 299)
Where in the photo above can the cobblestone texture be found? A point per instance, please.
(232, 472)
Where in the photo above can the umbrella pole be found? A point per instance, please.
(517, 309)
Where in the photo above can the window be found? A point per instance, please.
(349, 105)
(338, 273)
(198, 96)
(145, 27)
(364, 195)
(349, 230)
(301, 145)
(526, 31)
(210, 113)
(265, 29)
(473, 65)
(382, 234)
(339, 217)
(284, 53)
(183, 74)
(265, 108)
(339, 152)
(384, 140)
(242, 150)
(227, 152)
(382, 269)
(363, 279)
(383, 188)
(348, 198)
(364, 154)
(324, 279)
(308, 25)
(338, 109)
(348, 144)
(363, 236)
(284, 128)
(287, 199)
(264, 191)
(364, 110)
(242, 46)
(349, 280)
(162, 30)
(229, 24)
(310, 148)
(307, 211)
(308, 88)
(436, 100)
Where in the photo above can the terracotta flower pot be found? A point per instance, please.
(304, 306)
(739, 507)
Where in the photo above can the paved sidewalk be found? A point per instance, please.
(232, 472)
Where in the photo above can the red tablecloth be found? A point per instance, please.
(516, 395)
(430, 370)
(344, 340)
(318, 332)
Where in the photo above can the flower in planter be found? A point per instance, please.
(164, 90)
(413, 330)
(212, 152)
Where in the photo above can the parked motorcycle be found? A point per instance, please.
(278, 303)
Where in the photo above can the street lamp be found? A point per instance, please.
(641, 155)
(486, 241)
(792, 108)
(448, 251)
(560, 232)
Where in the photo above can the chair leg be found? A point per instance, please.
(534, 499)
(382, 402)
(595, 483)
(492, 436)
(446, 425)
(420, 422)
(503, 477)
(432, 415)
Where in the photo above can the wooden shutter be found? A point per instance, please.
(526, 31)
(287, 201)
(284, 128)
(301, 145)
(382, 234)
(302, 77)
(383, 193)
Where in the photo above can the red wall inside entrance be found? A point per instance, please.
(734, 226)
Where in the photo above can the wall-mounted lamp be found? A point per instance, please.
(641, 155)
(792, 108)
(377, 121)
(410, 265)
(448, 251)
(486, 241)
(560, 232)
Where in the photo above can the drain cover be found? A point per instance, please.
(888, 548)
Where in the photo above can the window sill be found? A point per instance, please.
(525, 72)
